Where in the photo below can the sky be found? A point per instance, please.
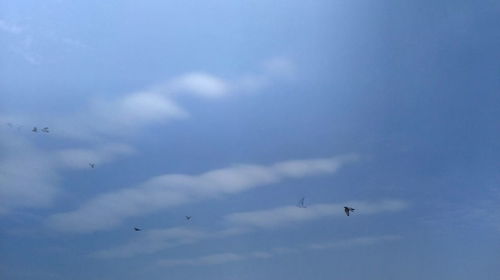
(231, 112)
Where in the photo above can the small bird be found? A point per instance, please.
(348, 209)
(188, 218)
(35, 129)
(301, 203)
(45, 129)
(137, 229)
(92, 165)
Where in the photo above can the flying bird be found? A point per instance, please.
(188, 218)
(92, 165)
(348, 209)
(301, 203)
(137, 229)
(35, 129)
(45, 129)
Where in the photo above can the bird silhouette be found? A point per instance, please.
(137, 229)
(188, 218)
(45, 129)
(92, 165)
(35, 129)
(348, 209)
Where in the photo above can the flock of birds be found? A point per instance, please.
(301, 203)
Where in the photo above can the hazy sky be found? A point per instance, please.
(231, 112)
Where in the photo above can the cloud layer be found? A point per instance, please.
(106, 117)
(247, 222)
(285, 215)
(221, 258)
(165, 191)
(27, 177)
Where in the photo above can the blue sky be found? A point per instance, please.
(230, 112)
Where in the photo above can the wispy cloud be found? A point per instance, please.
(80, 158)
(27, 177)
(245, 223)
(128, 113)
(226, 257)
(278, 217)
(9, 27)
(199, 84)
(153, 241)
(105, 120)
(165, 191)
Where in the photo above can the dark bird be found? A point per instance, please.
(301, 203)
(92, 165)
(137, 229)
(45, 129)
(188, 218)
(35, 129)
(347, 210)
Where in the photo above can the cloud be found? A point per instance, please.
(165, 191)
(27, 178)
(214, 259)
(125, 114)
(359, 241)
(278, 217)
(80, 158)
(10, 27)
(227, 257)
(244, 223)
(280, 66)
(153, 241)
(199, 84)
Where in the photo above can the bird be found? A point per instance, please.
(348, 209)
(45, 129)
(137, 229)
(188, 218)
(92, 165)
(35, 129)
(301, 203)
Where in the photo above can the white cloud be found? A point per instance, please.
(359, 241)
(103, 118)
(221, 258)
(27, 178)
(278, 217)
(215, 259)
(10, 27)
(165, 191)
(152, 241)
(200, 84)
(244, 223)
(80, 158)
(280, 66)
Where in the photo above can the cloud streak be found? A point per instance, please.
(227, 257)
(10, 27)
(80, 158)
(286, 215)
(247, 222)
(27, 178)
(170, 190)
(157, 103)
